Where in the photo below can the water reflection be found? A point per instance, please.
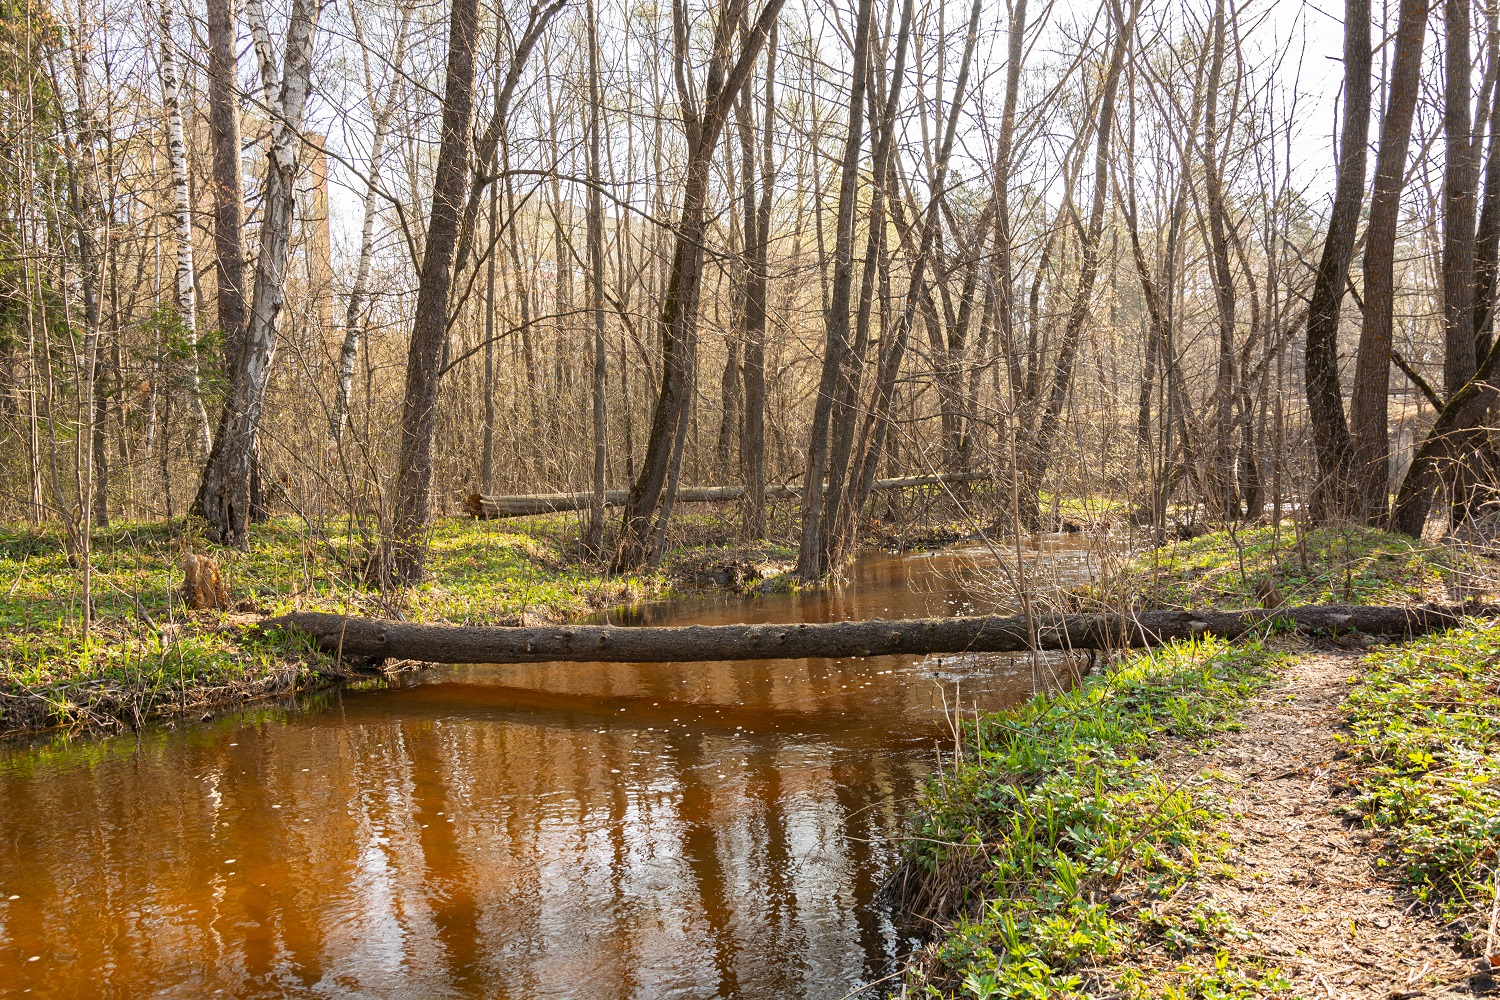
(541, 830)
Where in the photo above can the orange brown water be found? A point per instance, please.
(537, 830)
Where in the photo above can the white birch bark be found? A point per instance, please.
(182, 225)
(265, 58)
(226, 492)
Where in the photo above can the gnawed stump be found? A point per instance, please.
(202, 584)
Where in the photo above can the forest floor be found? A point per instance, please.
(1280, 818)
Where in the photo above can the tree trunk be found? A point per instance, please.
(596, 282)
(1325, 401)
(1453, 433)
(491, 507)
(1062, 377)
(1461, 174)
(182, 219)
(1487, 239)
(1004, 238)
(839, 526)
(649, 503)
(1372, 373)
(865, 455)
(228, 177)
(225, 494)
(1460, 177)
(1223, 279)
(407, 547)
(542, 13)
(757, 249)
(836, 319)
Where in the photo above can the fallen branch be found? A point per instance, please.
(379, 638)
(488, 508)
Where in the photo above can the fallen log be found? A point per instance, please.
(490, 508)
(379, 638)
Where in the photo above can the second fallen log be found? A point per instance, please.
(380, 638)
(522, 505)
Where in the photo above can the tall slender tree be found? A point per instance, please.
(224, 497)
(1372, 373)
(1325, 402)
(429, 332)
(649, 504)
(810, 564)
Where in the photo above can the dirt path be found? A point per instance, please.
(1302, 885)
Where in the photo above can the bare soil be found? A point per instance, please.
(1301, 884)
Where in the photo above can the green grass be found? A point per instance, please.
(1341, 564)
(147, 656)
(1057, 804)
(1424, 726)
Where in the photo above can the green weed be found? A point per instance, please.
(1021, 843)
(1424, 727)
(1339, 564)
(147, 656)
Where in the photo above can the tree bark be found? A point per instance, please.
(1372, 373)
(1223, 279)
(224, 497)
(182, 224)
(228, 177)
(838, 520)
(1460, 177)
(757, 251)
(596, 282)
(1455, 431)
(407, 547)
(1487, 238)
(836, 318)
(1325, 401)
(650, 500)
(381, 638)
(1004, 278)
(488, 507)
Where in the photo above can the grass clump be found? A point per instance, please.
(1347, 564)
(1424, 728)
(1021, 847)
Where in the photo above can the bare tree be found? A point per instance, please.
(430, 325)
(1062, 375)
(1325, 402)
(1372, 371)
(359, 291)
(225, 494)
(182, 217)
(810, 565)
(596, 282)
(649, 504)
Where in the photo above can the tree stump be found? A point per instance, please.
(202, 584)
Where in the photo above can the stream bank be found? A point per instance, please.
(150, 659)
(1294, 819)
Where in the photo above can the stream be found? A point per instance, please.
(686, 830)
